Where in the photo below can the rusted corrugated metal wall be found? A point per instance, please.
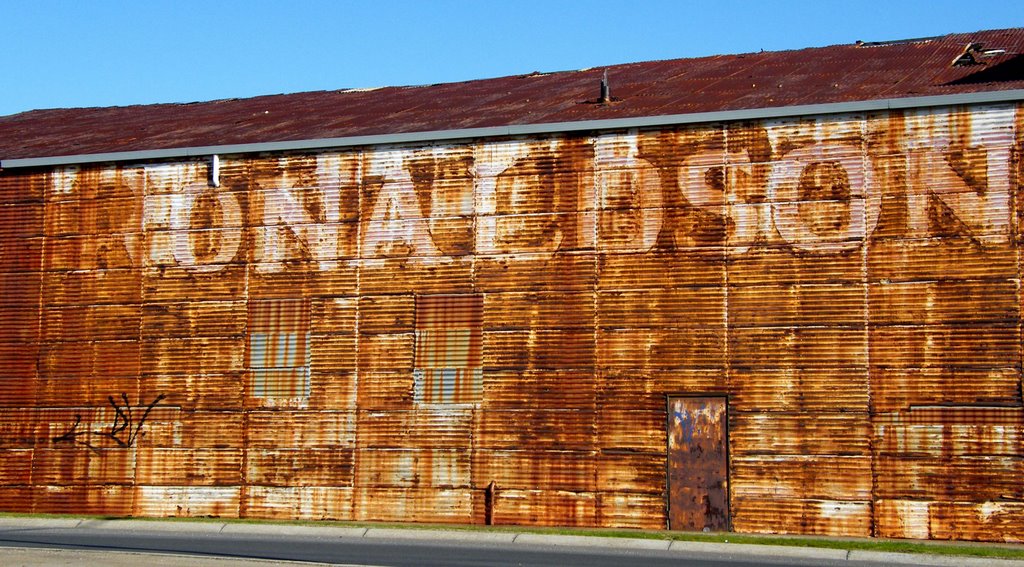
(380, 334)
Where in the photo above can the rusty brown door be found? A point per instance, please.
(698, 464)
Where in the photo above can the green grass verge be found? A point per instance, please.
(968, 549)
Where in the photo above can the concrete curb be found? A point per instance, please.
(936, 560)
(590, 541)
(39, 522)
(44, 556)
(760, 550)
(153, 526)
(440, 535)
(284, 529)
(417, 534)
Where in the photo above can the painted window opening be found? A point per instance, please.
(279, 348)
(447, 352)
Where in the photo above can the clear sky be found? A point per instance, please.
(106, 52)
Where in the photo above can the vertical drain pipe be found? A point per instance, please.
(215, 170)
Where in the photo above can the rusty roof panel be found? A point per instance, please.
(18, 428)
(771, 79)
(70, 466)
(400, 276)
(173, 283)
(534, 272)
(20, 255)
(96, 322)
(333, 353)
(779, 266)
(29, 187)
(386, 314)
(332, 390)
(938, 438)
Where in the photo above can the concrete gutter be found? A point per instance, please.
(9, 554)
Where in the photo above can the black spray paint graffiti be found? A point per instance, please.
(124, 430)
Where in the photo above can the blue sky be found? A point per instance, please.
(107, 53)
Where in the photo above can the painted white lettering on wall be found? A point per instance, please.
(188, 223)
(961, 172)
(820, 195)
(303, 212)
(629, 190)
(396, 226)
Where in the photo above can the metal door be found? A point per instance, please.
(698, 463)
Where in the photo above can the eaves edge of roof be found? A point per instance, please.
(982, 97)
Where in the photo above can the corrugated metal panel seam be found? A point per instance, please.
(528, 129)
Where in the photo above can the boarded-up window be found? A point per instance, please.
(279, 348)
(448, 339)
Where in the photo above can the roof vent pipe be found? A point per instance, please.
(606, 91)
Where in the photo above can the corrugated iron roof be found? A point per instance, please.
(834, 74)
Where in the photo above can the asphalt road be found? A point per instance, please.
(375, 551)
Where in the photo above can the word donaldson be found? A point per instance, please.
(609, 193)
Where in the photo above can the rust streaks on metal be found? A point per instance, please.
(505, 331)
